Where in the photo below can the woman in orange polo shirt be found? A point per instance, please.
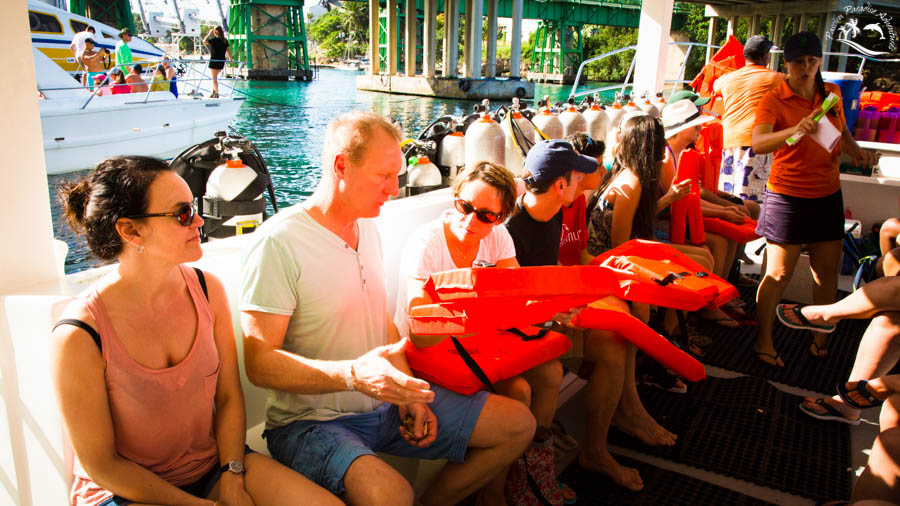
(803, 203)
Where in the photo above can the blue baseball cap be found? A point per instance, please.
(548, 160)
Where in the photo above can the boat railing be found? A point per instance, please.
(679, 79)
(192, 77)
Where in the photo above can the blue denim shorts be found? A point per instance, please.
(323, 451)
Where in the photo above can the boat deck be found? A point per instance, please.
(742, 438)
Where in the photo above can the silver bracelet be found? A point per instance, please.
(348, 376)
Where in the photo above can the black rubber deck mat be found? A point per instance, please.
(661, 487)
(748, 429)
(732, 349)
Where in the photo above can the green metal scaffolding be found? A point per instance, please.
(115, 13)
(244, 35)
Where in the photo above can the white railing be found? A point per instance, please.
(679, 78)
(194, 80)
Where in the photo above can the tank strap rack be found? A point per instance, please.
(216, 208)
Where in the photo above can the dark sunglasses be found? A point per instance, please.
(185, 214)
(483, 215)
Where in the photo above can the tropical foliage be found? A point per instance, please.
(342, 32)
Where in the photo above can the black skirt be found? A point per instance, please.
(785, 219)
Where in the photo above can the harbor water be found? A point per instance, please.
(287, 121)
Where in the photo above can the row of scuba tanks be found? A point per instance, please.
(229, 177)
(504, 136)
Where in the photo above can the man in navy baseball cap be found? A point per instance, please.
(551, 159)
(555, 169)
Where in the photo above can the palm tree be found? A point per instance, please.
(849, 30)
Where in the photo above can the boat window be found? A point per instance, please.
(77, 26)
(110, 35)
(41, 22)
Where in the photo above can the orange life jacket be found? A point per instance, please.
(604, 316)
(686, 210)
(500, 354)
(710, 143)
(743, 232)
(728, 58)
(881, 100)
(487, 300)
(669, 286)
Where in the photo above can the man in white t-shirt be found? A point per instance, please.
(318, 335)
(77, 47)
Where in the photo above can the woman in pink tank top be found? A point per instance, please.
(144, 363)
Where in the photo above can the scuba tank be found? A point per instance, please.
(547, 122)
(596, 119)
(229, 191)
(518, 133)
(420, 174)
(423, 175)
(659, 102)
(485, 140)
(452, 152)
(615, 113)
(647, 106)
(630, 106)
(228, 176)
(572, 120)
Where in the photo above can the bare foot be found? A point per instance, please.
(645, 428)
(623, 476)
(836, 403)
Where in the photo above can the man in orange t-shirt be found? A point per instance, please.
(744, 173)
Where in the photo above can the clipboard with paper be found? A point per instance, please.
(826, 135)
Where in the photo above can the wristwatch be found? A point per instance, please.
(235, 466)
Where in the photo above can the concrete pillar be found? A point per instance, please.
(492, 38)
(467, 40)
(776, 39)
(826, 42)
(373, 37)
(652, 45)
(28, 253)
(451, 38)
(474, 15)
(563, 44)
(804, 22)
(515, 54)
(711, 38)
(754, 26)
(392, 29)
(732, 27)
(429, 33)
(411, 37)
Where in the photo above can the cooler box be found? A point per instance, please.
(850, 85)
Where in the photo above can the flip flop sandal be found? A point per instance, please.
(734, 309)
(569, 495)
(861, 389)
(561, 437)
(831, 414)
(781, 312)
(775, 358)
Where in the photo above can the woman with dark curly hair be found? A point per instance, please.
(144, 362)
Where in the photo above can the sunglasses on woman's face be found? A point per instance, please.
(483, 215)
(185, 214)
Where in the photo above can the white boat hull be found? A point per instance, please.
(76, 139)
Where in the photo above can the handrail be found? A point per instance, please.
(625, 84)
